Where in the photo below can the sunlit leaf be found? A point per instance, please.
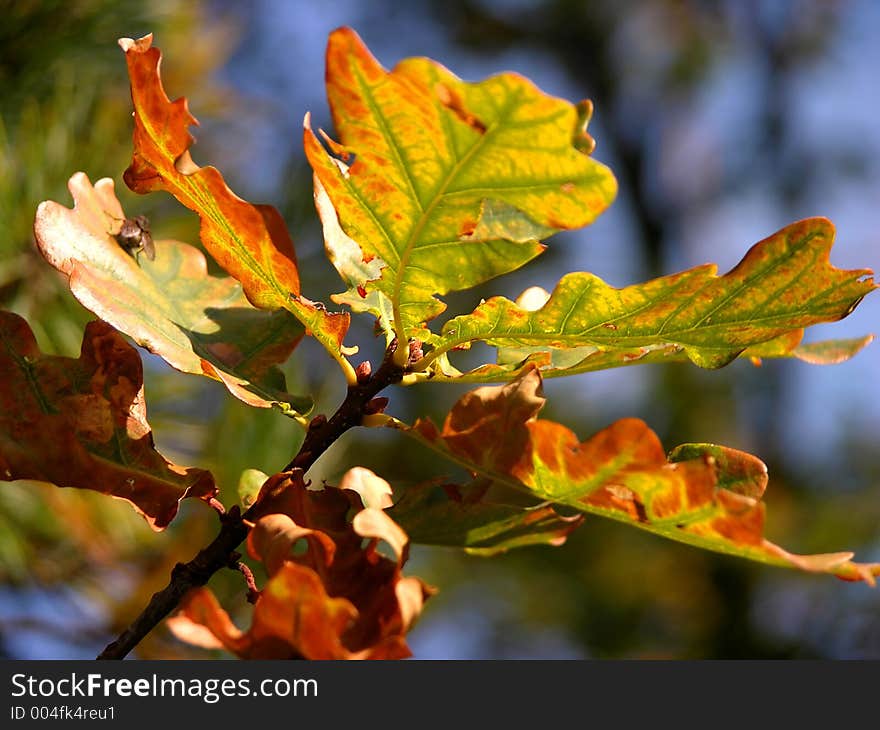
(704, 495)
(825, 352)
(251, 242)
(197, 323)
(339, 599)
(249, 484)
(374, 491)
(783, 284)
(82, 423)
(561, 363)
(465, 516)
(437, 185)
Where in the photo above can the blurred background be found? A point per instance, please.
(723, 122)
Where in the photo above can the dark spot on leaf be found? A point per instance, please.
(455, 104)
(467, 229)
(640, 511)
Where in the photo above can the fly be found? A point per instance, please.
(134, 236)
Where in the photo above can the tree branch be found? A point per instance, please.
(359, 401)
(322, 432)
(184, 577)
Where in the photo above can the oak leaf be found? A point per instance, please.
(250, 242)
(783, 284)
(82, 423)
(339, 599)
(703, 495)
(197, 323)
(437, 184)
(472, 517)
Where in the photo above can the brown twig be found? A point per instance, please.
(219, 554)
(323, 432)
(184, 577)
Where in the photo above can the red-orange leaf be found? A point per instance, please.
(340, 599)
(82, 423)
(249, 241)
(703, 495)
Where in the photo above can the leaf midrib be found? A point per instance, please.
(674, 335)
(206, 205)
(406, 252)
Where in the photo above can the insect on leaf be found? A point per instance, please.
(170, 305)
(437, 184)
(82, 423)
(704, 495)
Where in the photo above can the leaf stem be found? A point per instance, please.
(323, 432)
(347, 369)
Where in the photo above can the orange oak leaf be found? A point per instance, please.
(82, 423)
(704, 495)
(249, 241)
(170, 305)
(339, 599)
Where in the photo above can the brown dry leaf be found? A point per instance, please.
(337, 600)
(83, 423)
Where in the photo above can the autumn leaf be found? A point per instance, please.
(783, 284)
(437, 184)
(337, 599)
(82, 423)
(481, 517)
(558, 363)
(824, 352)
(250, 242)
(467, 516)
(703, 495)
(197, 323)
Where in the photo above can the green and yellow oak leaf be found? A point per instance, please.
(197, 323)
(82, 423)
(701, 494)
(758, 309)
(438, 185)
